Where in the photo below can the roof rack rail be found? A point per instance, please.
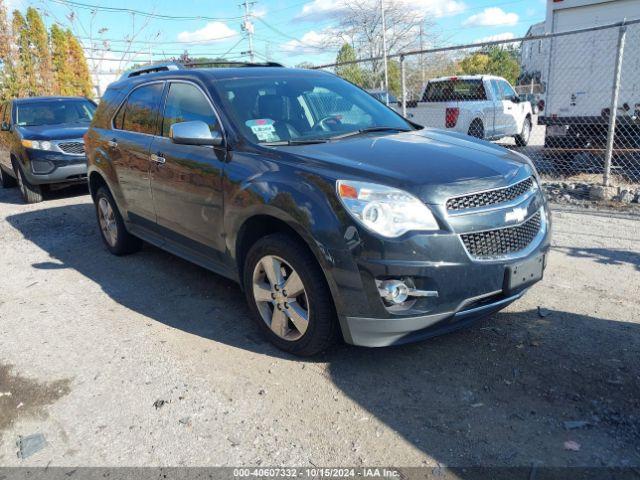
(155, 67)
(164, 67)
(235, 63)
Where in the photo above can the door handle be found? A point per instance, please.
(113, 143)
(158, 158)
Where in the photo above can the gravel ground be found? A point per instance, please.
(149, 360)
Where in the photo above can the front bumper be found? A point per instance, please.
(468, 288)
(52, 167)
(382, 332)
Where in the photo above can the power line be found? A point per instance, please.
(87, 6)
(157, 42)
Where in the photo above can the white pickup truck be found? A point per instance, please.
(482, 106)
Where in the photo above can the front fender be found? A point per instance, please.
(307, 203)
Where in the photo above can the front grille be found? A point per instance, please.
(490, 197)
(73, 148)
(504, 241)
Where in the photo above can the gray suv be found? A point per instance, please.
(337, 216)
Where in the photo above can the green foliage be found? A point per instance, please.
(35, 62)
(82, 84)
(352, 72)
(502, 62)
(40, 55)
(25, 77)
(59, 57)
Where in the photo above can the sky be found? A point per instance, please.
(285, 31)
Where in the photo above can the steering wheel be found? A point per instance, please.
(323, 126)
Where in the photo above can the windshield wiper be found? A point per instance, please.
(309, 141)
(370, 130)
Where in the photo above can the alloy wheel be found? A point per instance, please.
(281, 298)
(107, 220)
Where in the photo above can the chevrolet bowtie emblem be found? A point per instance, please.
(516, 215)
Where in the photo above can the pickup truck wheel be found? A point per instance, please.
(523, 139)
(112, 230)
(476, 129)
(7, 180)
(30, 193)
(288, 295)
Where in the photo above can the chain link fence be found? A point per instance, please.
(571, 101)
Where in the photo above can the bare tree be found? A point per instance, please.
(100, 50)
(361, 25)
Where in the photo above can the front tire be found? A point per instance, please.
(7, 180)
(112, 230)
(289, 296)
(522, 140)
(30, 193)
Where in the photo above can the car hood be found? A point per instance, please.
(432, 164)
(53, 132)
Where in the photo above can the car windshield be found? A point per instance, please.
(54, 112)
(297, 108)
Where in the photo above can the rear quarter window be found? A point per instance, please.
(454, 90)
(107, 107)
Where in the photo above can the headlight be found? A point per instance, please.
(385, 210)
(37, 144)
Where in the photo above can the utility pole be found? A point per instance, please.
(247, 26)
(384, 50)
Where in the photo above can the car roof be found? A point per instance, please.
(45, 99)
(209, 74)
(466, 77)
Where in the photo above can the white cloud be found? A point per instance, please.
(438, 8)
(496, 37)
(317, 10)
(311, 43)
(212, 32)
(321, 10)
(490, 17)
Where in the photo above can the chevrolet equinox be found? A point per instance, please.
(338, 217)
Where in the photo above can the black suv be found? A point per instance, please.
(41, 143)
(335, 214)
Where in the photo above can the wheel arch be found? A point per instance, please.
(262, 224)
(96, 180)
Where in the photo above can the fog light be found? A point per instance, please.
(41, 166)
(394, 291)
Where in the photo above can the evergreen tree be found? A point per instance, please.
(40, 54)
(81, 78)
(351, 72)
(7, 75)
(64, 81)
(25, 84)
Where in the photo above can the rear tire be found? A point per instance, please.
(476, 129)
(278, 312)
(30, 193)
(112, 230)
(7, 180)
(522, 140)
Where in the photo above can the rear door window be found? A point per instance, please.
(139, 112)
(187, 103)
(454, 90)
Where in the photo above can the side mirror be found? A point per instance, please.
(5, 127)
(194, 133)
(515, 99)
